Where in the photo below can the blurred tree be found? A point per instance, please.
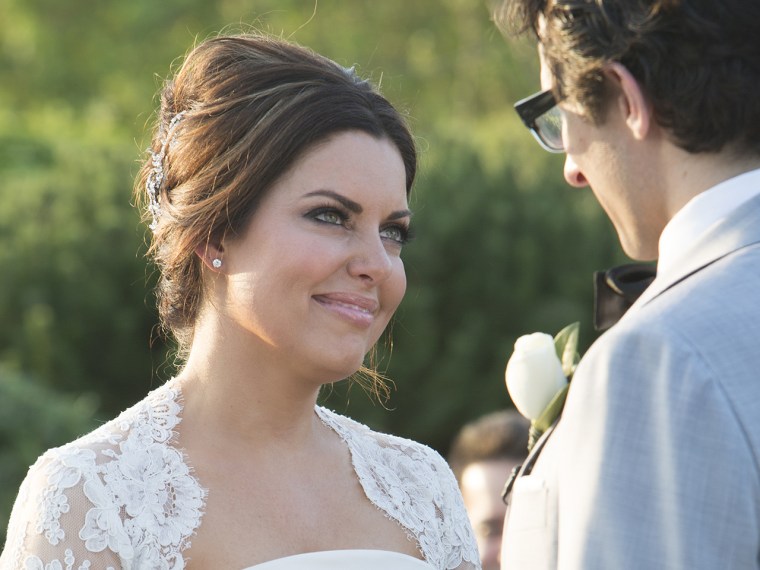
(73, 307)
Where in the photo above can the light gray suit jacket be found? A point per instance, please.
(655, 463)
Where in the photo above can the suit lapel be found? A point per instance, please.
(527, 466)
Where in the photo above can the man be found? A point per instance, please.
(482, 454)
(655, 462)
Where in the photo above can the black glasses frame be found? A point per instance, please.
(531, 109)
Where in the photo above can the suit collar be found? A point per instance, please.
(738, 230)
(703, 211)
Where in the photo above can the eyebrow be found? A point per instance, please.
(355, 207)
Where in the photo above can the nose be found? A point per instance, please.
(370, 261)
(573, 174)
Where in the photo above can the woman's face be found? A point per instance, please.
(317, 274)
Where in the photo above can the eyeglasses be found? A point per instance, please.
(541, 115)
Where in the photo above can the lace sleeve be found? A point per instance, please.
(458, 537)
(50, 519)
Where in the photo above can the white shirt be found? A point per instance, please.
(702, 212)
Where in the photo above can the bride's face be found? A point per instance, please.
(317, 274)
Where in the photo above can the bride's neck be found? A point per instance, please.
(237, 393)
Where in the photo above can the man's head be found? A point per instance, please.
(482, 456)
(644, 88)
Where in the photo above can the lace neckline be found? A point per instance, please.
(164, 429)
(349, 431)
(146, 501)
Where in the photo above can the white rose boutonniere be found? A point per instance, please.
(538, 376)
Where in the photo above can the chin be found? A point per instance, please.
(339, 370)
(639, 250)
(337, 358)
(639, 255)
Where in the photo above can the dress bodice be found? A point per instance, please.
(345, 560)
(124, 496)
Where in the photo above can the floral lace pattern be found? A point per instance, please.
(413, 485)
(34, 563)
(125, 497)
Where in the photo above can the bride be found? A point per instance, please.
(276, 191)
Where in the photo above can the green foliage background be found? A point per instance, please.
(503, 248)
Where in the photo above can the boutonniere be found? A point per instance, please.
(538, 376)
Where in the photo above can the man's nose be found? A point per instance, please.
(573, 174)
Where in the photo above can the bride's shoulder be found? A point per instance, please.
(106, 477)
(69, 465)
(152, 419)
(414, 485)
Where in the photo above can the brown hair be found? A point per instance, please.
(696, 61)
(251, 106)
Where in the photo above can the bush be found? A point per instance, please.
(34, 418)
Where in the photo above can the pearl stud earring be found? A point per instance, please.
(217, 263)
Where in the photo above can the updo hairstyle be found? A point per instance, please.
(250, 106)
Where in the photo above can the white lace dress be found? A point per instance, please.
(124, 497)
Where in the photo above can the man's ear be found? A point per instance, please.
(211, 254)
(633, 104)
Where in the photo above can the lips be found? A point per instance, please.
(355, 309)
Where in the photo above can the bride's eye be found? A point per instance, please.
(328, 215)
(395, 233)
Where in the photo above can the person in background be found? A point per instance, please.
(655, 461)
(276, 189)
(483, 454)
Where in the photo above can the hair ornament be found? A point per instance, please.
(156, 175)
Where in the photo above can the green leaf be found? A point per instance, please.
(566, 345)
(552, 411)
(534, 434)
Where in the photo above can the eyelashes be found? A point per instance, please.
(406, 233)
(329, 215)
(396, 232)
(399, 233)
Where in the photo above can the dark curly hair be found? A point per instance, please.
(697, 61)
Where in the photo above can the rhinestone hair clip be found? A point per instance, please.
(156, 175)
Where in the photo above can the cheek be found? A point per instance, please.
(395, 287)
(311, 259)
